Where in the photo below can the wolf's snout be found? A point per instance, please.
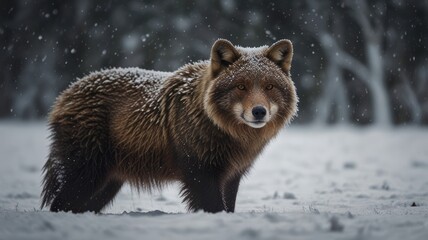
(259, 112)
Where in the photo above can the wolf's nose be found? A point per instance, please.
(259, 112)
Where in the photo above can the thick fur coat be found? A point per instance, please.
(202, 125)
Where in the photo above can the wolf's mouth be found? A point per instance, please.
(254, 124)
(257, 122)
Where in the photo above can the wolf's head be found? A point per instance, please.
(250, 88)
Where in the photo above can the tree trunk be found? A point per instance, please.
(335, 89)
(381, 110)
(334, 94)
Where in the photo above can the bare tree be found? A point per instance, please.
(411, 99)
(334, 93)
(406, 88)
(372, 71)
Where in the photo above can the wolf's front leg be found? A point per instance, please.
(201, 190)
(230, 191)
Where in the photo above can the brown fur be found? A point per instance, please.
(150, 128)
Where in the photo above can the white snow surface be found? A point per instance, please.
(310, 183)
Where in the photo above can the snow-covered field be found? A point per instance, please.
(310, 183)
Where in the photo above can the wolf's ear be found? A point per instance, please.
(223, 54)
(281, 53)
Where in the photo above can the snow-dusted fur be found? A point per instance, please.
(149, 128)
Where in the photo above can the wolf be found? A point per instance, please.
(202, 126)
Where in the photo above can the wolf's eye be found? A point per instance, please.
(241, 87)
(269, 87)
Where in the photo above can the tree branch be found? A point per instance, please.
(343, 58)
(361, 15)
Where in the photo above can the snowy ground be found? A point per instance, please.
(332, 183)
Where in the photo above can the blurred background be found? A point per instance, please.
(356, 62)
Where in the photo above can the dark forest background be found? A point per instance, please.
(356, 62)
